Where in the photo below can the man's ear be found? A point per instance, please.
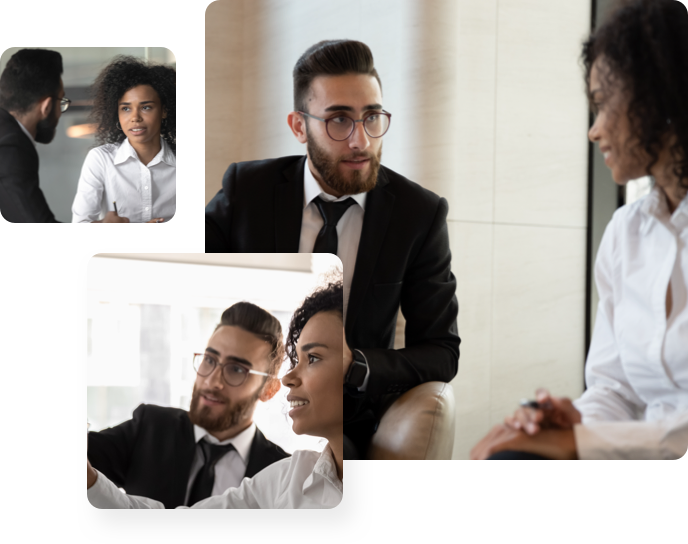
(45, 106)
(297, 124)
(270, 389)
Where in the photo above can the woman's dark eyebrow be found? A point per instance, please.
(144, 102)
(312, 345)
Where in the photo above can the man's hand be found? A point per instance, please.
(348, 356)
(554, 413)
(91, 475)
(550, 443)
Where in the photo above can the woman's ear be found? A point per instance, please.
(164, 113)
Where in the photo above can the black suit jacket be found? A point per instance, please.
(403, 259)
(151, 454)
(21, 200)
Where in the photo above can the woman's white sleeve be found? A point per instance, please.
(89, 193)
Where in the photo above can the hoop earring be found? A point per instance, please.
(117, 125)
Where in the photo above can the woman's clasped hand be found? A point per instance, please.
(550, 413)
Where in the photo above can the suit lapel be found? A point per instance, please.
(288, 201)
(256, 463)
(378, 213)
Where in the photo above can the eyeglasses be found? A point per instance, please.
(64, 104)
(234, 374)
(340, 128)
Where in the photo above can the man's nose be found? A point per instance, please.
(359, 139)
(215, 379)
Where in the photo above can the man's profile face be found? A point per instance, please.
(45, 129)
(349, 166)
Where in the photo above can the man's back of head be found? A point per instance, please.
(30, 76)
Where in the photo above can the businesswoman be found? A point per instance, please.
(307, 479)
(636, 403)
(131, 177)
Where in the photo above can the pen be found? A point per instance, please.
(534, 404)
(114, 203)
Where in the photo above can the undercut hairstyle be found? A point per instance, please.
(644, 48)
(30, 76)
(330, 58)
(328, 298)
(260, 323)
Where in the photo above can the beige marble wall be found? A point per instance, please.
(489, 112)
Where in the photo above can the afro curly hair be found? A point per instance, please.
(125, 73)
(327, 298)
(644, 44)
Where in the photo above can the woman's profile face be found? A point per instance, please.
(612, 128)
(624, 156)
(140, 114)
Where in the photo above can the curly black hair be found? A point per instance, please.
(125, 73)
(328, 298)
(644, 44)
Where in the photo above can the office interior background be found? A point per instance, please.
(149, 313)
(489, 111)
(61, 160)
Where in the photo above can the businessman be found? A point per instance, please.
(390, 233)
(179, 457)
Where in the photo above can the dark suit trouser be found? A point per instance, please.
(514, 455)
(357, 438)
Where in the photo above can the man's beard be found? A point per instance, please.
(328, 168)
(45, 129)
(232, 415)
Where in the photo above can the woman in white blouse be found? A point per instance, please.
(307, 479)
(131, 177)
(636, 403)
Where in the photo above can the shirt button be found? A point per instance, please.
(146, 187)
(146, 208)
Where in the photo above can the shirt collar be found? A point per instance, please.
(126, 151)
(25, 131)
(312, 189)
(241, 442)
(656, 206)
(324, 469)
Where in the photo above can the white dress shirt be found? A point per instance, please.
(348, 232)
(307, 479)
(348, 228)
(636, 405)
(114, 173)
(231, 467)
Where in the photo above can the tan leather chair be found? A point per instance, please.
(418, 425)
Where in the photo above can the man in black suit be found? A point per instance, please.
(390, 233)
(179, 457)
(21, 199)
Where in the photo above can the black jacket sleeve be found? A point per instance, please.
(218, 216)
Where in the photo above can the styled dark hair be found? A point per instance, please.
(125, 73)
(30, 75)
(261, 323)
(328, 298)
(644, 44)
(330, 58)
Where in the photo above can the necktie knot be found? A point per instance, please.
(205, 479)
(213, 452)
(331, 212)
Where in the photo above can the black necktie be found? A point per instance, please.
(331, 212)
(203, 484)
